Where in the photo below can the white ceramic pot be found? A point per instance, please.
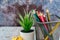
(27, 36)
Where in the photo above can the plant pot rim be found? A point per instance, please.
(22, 31)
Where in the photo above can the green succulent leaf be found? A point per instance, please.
(27, 21)
(21, 17)
(20, 22)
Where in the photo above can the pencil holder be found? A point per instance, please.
(53, 29)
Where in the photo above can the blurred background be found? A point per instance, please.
(9, 9)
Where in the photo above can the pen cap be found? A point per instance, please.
(35, 15)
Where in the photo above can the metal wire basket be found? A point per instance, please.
(55, 22)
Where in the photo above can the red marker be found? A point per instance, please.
(42, 18)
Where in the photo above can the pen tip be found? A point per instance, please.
(33, 11)
(47, 10)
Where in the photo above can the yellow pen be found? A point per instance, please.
(48, 14)
(49, 25)
(48, 19)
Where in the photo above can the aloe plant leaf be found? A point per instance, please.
(21, 23)
(25, 12)
(21, 17)
(27, 21)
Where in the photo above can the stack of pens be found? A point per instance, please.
(40, 17)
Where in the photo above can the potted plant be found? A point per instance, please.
(26, 22)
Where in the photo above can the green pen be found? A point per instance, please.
(35, 16)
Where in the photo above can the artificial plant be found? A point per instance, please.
(27, 21)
